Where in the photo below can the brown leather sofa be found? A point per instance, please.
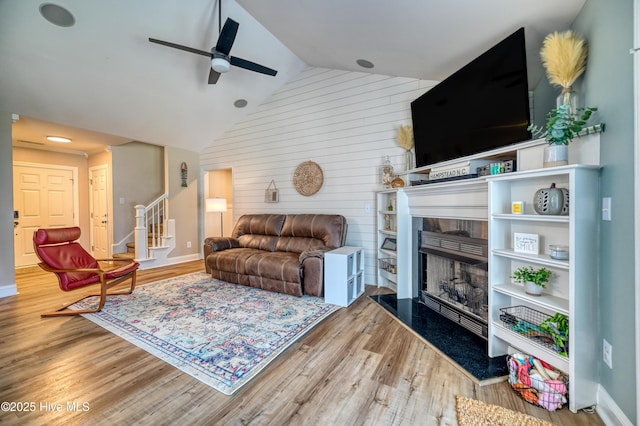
(282, 253)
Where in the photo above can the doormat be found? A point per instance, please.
(464, 349)
(471, 412)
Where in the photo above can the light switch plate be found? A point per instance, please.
(606, 208)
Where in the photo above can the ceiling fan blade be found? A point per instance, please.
(178, 46)
(227, 36)
(213, 76)
(251, 66)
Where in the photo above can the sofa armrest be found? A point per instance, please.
(317, 253)
(312, 262)
(212, 244)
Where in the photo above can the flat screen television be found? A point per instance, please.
(482, 106)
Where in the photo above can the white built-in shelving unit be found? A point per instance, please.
(393, 222)
(572, 290)
(387, 230)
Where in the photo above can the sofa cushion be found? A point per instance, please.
(245, 261)
(277, 265)
(302, 232)
(259, 231)
(232, 260)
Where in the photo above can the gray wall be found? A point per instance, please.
(183, 201)
(7, 270)
(608, 84)
(138, 174)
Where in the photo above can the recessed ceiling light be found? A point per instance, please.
(240, 103)
(57, 15)
(58, 139)
(364, 63)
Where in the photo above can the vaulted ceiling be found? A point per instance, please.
(102, 75)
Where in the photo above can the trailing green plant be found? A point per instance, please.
(563, 125)
(529, 273)
(558, 327)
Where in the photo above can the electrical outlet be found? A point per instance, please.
(188, 244)
(607, 353)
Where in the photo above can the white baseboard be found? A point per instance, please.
(157, 263)
(609, 411)
(8, 290)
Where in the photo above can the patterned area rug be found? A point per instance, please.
(471, 412)
(220, 333)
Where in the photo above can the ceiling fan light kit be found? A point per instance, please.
(220, 65)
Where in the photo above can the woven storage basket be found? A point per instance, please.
(551, 394)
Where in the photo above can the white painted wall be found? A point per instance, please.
(344, 121)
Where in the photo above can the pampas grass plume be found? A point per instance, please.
(405, 137)
(564, 56)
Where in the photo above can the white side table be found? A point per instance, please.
(343, 275)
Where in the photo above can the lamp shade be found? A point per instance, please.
(216, 205)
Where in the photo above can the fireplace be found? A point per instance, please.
(453, 270)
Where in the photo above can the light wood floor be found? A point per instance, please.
(360, 366)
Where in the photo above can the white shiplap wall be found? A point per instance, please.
(344, 121)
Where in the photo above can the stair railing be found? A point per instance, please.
(150, 230)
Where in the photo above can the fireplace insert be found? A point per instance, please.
(454, 270)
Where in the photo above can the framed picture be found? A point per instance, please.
(271, 196)
(271, 193)
(526, 243)
(389, 244)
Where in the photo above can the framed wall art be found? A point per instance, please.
(389, 244)
(526, 243)
(271, 193)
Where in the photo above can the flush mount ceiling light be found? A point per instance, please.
(58, 139)
(57, 15)
(220, 64)
(240, 103)
(364, 63)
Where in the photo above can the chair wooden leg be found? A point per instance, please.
(64, 311)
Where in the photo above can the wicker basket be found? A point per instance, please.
(388, 264)
(550, 393)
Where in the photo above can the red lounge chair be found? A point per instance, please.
(75, 268)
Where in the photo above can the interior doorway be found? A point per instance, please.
(218, 184)
(99, 204)
(44, 196)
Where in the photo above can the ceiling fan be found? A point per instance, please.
(220, 58)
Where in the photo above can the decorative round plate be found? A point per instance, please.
(308, 178)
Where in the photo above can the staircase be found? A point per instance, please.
(153, 235)
(151, 242)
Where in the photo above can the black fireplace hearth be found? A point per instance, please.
(463, 347)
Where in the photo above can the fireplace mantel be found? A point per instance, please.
(464, 199)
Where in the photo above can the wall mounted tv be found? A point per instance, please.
(482, 106)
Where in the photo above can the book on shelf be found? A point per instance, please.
(459, 169)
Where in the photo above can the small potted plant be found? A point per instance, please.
(533, 279)
(562, 126)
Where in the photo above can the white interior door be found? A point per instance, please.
(43, 197)
(99, 212)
